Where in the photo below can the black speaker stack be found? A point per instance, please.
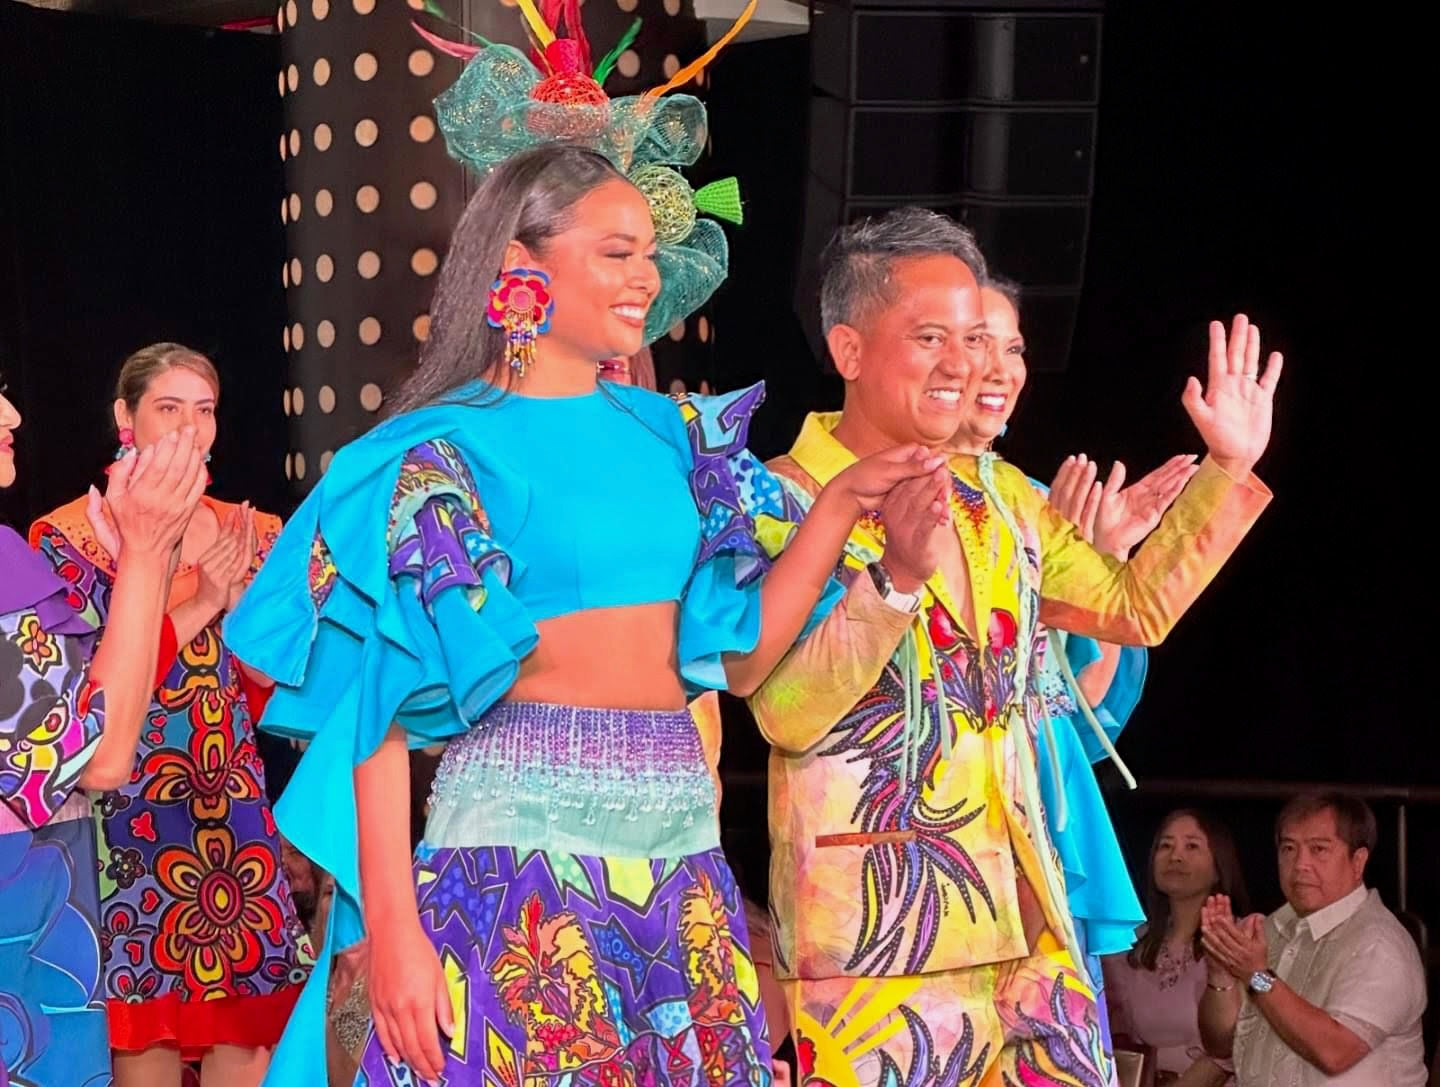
(986, 112)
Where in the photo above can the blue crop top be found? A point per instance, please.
(606, 517)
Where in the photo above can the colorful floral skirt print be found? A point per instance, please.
(1031, 1022)
(202, 943)
(577, 969)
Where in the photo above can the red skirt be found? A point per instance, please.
(193, 1027)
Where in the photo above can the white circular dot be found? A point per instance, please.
(294, 141)
(325, 337)
(323, 136)
(287, 338)
(677, 387)
(299, 465)
(285, 275)
(422, 62)
(289, 465)
(321, 72)
(629, 64)
(292, 77)
(326, 399)
(284, 210)
(423, 262)
(368, 265)
(423, 195)
(366, 66)
(325, 459)
(280, 79)
(320, 8)
(677, 331)
(296, 272)
(369, 331)
(670, 65)
(422, 129)
(297, 401)
(280, 20)
(284, 151)
(371, 396)
(297, 338)
(292, 13)
(420, 328)
(324, 202)
(285, 401)
(364, 7)
(367, 198)
(366, 132)
(702, 329)
(627, 5)
(324, 268)
(294, 207)
(416, 5)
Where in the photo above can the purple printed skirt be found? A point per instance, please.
(604, 967)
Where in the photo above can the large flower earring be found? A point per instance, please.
(127, 443)
(521, 305)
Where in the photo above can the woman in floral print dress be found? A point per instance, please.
(204, 954)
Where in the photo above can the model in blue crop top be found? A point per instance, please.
(569, 915)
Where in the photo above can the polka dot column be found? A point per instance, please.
(371, 200)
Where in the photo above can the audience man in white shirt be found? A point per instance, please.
(1328, 990)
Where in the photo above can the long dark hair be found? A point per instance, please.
(530, 199)
(1229, 880)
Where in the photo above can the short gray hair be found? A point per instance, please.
(857, 263)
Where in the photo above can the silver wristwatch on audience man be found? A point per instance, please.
(1261, 982)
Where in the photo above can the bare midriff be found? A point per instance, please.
(611, 658)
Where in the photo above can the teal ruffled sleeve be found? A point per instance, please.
(384, 600)
(747, 518)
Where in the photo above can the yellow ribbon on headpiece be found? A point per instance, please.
(696, 66)
(543, 34)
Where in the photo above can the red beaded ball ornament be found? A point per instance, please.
(584, 108)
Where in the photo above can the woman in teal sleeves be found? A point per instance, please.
(464, 574)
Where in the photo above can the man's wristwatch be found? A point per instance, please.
(1261, 982)
(906, 602)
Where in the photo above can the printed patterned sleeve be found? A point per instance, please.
(424, 633)
(87, 586)
(747, 519)
(385, 601)
(50, 717)
(823, 677)
(1138, 602)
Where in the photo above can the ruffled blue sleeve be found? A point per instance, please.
(747, 519)
(384, 600)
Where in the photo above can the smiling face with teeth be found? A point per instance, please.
(990, 394)
(603, 277)
(907, 358)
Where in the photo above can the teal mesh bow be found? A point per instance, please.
(488, 116)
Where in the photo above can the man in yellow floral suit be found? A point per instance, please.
(921, 921)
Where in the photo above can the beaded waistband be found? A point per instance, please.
(603, 782)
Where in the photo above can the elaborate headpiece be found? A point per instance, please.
(504, 103)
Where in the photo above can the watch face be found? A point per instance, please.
(1262, 982)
